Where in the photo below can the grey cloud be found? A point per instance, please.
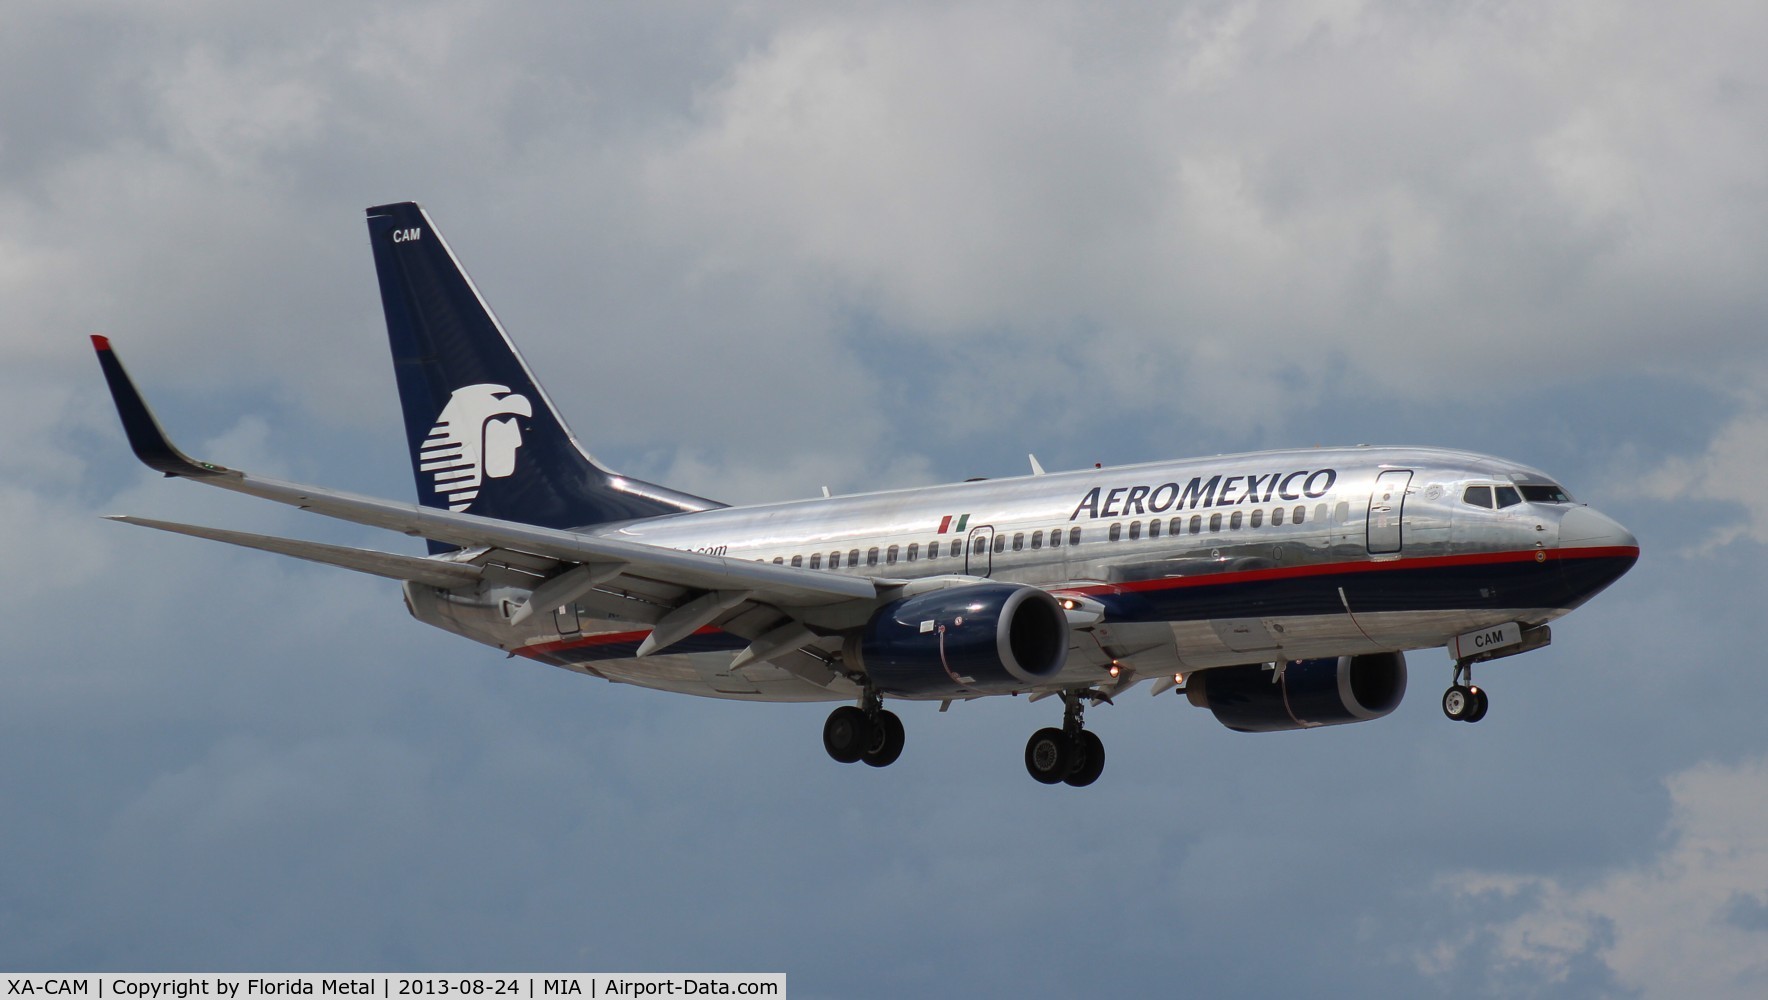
(758, 252)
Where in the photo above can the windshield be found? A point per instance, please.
(1544, 493)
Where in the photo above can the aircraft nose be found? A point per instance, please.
(1584, 528)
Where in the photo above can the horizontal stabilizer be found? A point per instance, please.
(416, 569)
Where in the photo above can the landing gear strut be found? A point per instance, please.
(864, 732)
(1464, 702)
(1070, 754)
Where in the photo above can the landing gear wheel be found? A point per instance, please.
(848, 734)
(1089, 760)
(886, 742)
(1049, 756)
(1458, 702)
(1477, 710)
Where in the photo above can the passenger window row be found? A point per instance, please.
(1216, 522)
(1020, 541)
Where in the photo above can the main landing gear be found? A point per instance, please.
(864, 732)
(1464, 702)
(1070, 754)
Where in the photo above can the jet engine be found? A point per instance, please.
(1257, 698)
(983, 638)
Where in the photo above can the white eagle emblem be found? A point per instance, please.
(469, 444)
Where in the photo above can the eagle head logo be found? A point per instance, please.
(475, 439)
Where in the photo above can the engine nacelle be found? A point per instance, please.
(983, 638)
(1326, 692)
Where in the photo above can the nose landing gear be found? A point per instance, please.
(1464, 702)
(1072, 754)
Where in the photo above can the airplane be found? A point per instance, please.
(1280, 590)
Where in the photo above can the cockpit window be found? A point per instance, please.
(1547, 493)
(1479, 496)
(1507, 497)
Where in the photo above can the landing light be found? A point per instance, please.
(1115, 668)
(1178, 678)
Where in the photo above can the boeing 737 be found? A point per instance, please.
(1280, 590)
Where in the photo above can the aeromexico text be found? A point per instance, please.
(1216, 491)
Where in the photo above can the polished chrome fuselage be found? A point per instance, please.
(1195, 564)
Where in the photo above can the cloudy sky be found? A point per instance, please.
(766, 249)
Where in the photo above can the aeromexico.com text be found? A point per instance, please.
(1216, 491)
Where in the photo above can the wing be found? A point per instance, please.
(432, 572)
(780, 608)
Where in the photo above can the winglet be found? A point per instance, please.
(146, 437)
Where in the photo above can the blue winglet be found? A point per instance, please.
(146, 437)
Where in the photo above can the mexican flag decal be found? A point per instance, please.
(946, 525)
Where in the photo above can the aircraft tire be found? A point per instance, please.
(886, 743)
(847, 734)
(1477, 709)
(1089, 760)
(1048, 756)
(1457, 702)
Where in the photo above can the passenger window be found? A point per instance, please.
(779, 561)
(816, 560)
(1277, 518)
(1074, 536)
(1258, 518)
(1154, 528)
(872, 556)
(890, 555)
(1116, 531)
(1196, 523)
(979, 546)
(1301, 514)
(835, 560)
(1055, 537)
(1508, 497)
(1018, 541)
(1135, 530)
(1234, 521)
(853, 556)
(1479, 496)
(914, 550)
(1037, 539)
(1000, 543)
(798, 562)
(1319, 513)
(957, 547)
(1215, 522)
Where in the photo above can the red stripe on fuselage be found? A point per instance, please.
(1369, 566)
(1203, 580)
(599, 639)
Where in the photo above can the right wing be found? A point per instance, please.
(433, 572)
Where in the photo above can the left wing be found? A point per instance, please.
(780, 608)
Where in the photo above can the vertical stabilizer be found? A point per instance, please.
(484, 437)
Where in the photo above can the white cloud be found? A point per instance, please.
(1691, 921)
(1733, 470)
(1444, 198)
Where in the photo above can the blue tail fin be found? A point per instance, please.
(484, 437)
